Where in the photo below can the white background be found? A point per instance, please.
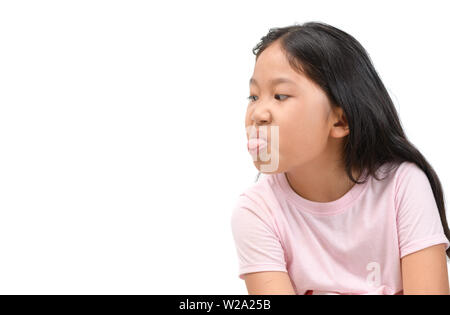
(122, 139)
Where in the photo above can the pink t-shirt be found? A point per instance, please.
(351, 245)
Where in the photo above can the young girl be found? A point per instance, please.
(349, 206)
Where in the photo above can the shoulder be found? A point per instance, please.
(259, 193)
(408, 169)
(409, 177)
(404, 175)
(400, 173)
(258, 199)
(413, 190)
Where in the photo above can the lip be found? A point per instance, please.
(257, 141)
(261, 137)
(256, 145)
(258, 135)
(258, 138)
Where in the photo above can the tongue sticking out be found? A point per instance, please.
(254, 144)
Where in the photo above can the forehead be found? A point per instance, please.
(272, 66)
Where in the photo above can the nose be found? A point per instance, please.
(261, 116)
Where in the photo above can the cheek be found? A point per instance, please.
(304, 134)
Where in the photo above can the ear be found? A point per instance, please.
(339, 122)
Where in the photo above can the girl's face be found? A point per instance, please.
(299, 108)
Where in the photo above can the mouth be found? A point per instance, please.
(256, 144)
(258, 134)
(257, 141)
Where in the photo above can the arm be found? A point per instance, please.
(261, 256)
(425, 271)
(269, 282)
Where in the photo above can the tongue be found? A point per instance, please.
(254, 143)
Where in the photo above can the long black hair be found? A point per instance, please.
(340, 65)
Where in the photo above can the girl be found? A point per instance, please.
(349, 206)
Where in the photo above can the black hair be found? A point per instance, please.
(340, 65)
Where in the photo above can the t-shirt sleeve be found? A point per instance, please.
(418, 221)
(258, 247)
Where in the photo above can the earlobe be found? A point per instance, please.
(347, 131)
(342, 121)
(340, 126)
(340, 129)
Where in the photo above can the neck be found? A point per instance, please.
(322, 180)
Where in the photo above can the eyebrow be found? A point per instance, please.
(273, 81)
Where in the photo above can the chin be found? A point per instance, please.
(266, 168)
